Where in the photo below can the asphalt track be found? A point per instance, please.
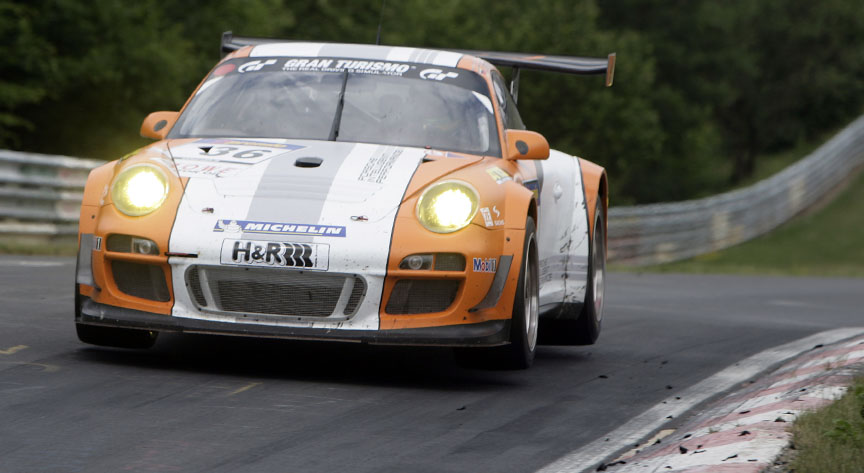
(222, 404)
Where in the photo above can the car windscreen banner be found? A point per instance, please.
(429, 72)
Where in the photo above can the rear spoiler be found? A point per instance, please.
(539, 62)
(542, 62)
(231, 43)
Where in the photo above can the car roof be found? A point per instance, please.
(366, 52)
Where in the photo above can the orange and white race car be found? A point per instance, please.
(348, 192)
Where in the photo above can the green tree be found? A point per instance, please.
(22, 79)
(761, 75)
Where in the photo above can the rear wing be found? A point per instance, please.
(542, 62)
(231, 43)
(518, 61)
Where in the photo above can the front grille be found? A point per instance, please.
(449, 262)
(419, 296)
(275, 292)
(357, 293)
(193, 282)
(146, 281)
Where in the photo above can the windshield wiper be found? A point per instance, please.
(337, 120)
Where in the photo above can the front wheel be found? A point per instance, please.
(519, 354)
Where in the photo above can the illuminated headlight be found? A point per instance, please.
(447, 206)
(139, 190)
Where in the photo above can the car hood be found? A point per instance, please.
(304, 175)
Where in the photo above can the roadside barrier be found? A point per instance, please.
(658, 233)
(40, 195)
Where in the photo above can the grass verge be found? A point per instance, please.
(39, 246)
(831, 439)
(829, 242)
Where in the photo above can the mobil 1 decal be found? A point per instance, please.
(484, 265)
(310, 256)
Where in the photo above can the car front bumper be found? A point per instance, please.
(489, 333)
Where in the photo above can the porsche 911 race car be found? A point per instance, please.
(347, 192)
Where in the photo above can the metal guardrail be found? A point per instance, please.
(659, 233)
(41, 195)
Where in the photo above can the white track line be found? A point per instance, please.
(588, 457)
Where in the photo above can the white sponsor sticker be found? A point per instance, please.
(487, 217)
(188, 168)
(378, 167)
(256, 65)
(238, 151)
(277, 254)
(437, 74)
(498, 220)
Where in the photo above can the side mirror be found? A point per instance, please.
(157, 124)
(523, 144)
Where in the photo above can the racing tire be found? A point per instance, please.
(580, 324)
(111, 336)
(519, 353)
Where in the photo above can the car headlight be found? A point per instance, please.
(139, 190)
(447, 206)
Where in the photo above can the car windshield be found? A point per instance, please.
(382, 102)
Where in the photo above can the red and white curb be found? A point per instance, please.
(745, 432)
(741, 433)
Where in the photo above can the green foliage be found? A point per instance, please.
(764, 74)
(701, 89)
(832, 438)
(107, 63)
(21, 81)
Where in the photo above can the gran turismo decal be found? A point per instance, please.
(485, 265)
(308, 64)
(437, 74)
(450, 75)
(252, 66)
(499, 175)
(274, 253)
(342, 65)
(278, 228)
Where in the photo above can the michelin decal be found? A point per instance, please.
(278, 228)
